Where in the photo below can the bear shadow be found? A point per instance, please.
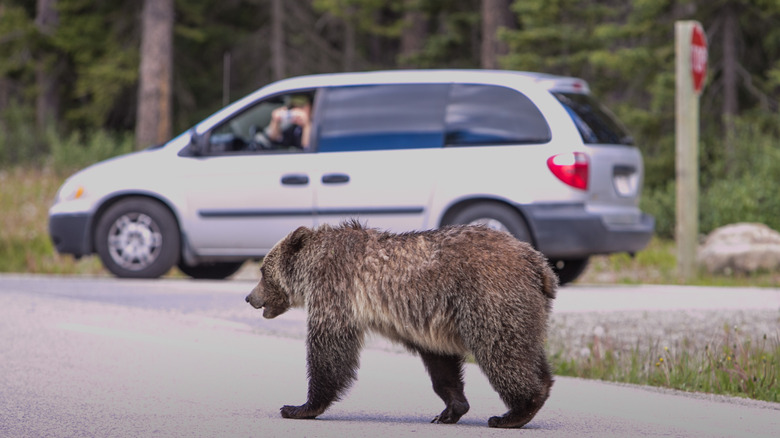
(367, 417)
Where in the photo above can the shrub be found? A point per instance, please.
(750, 198)
(660, 202)
(20, 141)
(732, 189)
(79, 150)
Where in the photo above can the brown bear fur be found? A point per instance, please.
(441, 293)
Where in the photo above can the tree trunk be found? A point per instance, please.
(350, 46)
(154, 116)
(278, 70)
(413, 34)
(495, 15)
(3, 94)
(730, 79)
(47, 97)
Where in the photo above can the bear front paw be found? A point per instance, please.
(452, 413)
(298, 412)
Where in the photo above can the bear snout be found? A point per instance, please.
(254, 302)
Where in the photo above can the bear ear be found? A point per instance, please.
(297, 239)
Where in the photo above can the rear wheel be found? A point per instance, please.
(495, 216)
(504, 218)
(569, 270)
(211, 271)
(137, 238)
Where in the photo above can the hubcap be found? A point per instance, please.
(493, 224)
(134, 241)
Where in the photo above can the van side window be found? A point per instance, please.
(493, 115)
(377, 117)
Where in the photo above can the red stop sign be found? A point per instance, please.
(698, 57)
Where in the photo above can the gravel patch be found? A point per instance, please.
(578, 334)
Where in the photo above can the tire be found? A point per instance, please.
(496, 216)
(568, 270)
(138, 238)
(211, 271)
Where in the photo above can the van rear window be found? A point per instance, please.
(595, 123)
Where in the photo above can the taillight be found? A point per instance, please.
(571, 168)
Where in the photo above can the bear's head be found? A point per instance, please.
(276, 292)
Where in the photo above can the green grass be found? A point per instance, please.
(27, 191)
(25, 196)
(734, 366)
(657, 264)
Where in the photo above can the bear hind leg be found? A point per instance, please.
(303, 412)
(524, 405)
(447, 376)
(519, 417)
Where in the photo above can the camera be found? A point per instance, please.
(287, 117)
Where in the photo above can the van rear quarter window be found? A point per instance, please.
(595, 123)
(376, 117)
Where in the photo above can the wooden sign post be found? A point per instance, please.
(691, 59)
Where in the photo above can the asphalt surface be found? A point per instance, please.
(105, 357)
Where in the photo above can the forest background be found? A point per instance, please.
(82, 80)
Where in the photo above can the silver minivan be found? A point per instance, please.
(532, 154)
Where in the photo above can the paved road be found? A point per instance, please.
(102, 357)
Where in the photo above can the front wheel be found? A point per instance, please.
(211, 271)
(137, 238)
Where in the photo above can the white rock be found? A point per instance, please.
(741, 248)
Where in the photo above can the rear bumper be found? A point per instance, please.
(70, 233)
(569, 231)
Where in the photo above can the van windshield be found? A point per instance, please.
(595, 123)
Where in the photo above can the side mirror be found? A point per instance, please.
(198, 143)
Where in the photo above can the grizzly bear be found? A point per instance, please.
(441, 293)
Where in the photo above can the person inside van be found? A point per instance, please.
(290, 125)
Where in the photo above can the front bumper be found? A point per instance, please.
(569, 231)
(70, 233)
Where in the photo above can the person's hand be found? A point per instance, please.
(278, 114)
(299, 117)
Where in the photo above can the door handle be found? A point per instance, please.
(295, 180)
(335, 178)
